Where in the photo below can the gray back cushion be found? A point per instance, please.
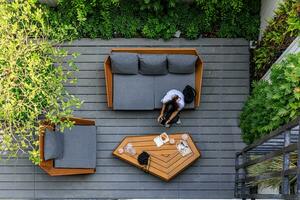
(162, 84)
(182, 64)
(124, 63)
(53, 145)
(79, 148)
(153, 64)
(133, 92)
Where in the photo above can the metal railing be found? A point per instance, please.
(280, 142)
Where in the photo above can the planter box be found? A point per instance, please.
(293, 48)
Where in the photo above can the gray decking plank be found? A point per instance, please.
(184, 114)
(213, 126)
(120, 42)
(194, 129)
(201, 50)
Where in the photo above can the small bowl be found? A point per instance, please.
(120, 151)
(172, 141)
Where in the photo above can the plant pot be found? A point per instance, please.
(51, 3)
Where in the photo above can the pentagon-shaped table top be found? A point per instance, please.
(166, 161)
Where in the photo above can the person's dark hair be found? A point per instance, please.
(174, 102)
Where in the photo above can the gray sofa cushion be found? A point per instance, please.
(124, 63)
(79, 148)
(54, 145)
(162, 84)
(133, 92)
(182, 64)
(153, 64)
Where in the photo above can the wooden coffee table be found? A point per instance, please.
(166, 161)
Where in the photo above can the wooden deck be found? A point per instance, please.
(213, 126)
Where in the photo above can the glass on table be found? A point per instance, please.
(129, 149)
(185, 136)
(172, 141)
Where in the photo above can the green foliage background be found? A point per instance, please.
(273, 103)
(154, 18)
(31, 85)
(279, 33)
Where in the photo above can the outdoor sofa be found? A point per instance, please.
(71, 152)
(138, 78)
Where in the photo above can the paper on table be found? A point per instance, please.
(161, 139)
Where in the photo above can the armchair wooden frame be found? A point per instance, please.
(190, 51)
(48, 166)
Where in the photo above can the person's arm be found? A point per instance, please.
(163, 109)
(161, 112)
(174, 114)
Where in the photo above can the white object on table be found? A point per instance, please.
(172, 141)
(161, 139)
(183, 148)
(184, 136)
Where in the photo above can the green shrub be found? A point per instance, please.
(154, 28)
(279, 33)
(156, 6)
(31, 86)
(125, 21)
(155, 18)
(274, 103)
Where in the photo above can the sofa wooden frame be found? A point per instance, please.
(190, 51)
(48, 166)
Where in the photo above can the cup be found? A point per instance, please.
(129, 149)
(121, 151)
(184, 136)
(172, 141)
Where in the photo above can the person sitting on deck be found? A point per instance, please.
(173, 103)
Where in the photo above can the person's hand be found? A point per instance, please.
(159, 117)
(168, 121)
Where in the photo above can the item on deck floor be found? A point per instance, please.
(161, 139)
(129, 149)
(164, 162)
(183, 148)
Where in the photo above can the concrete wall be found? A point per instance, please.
(267, 13)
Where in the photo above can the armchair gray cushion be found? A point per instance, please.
(79, 148)
(153, 64)
(133, 92)
(124, 63)
(162, 84)
(54, 145)
(182, 64)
